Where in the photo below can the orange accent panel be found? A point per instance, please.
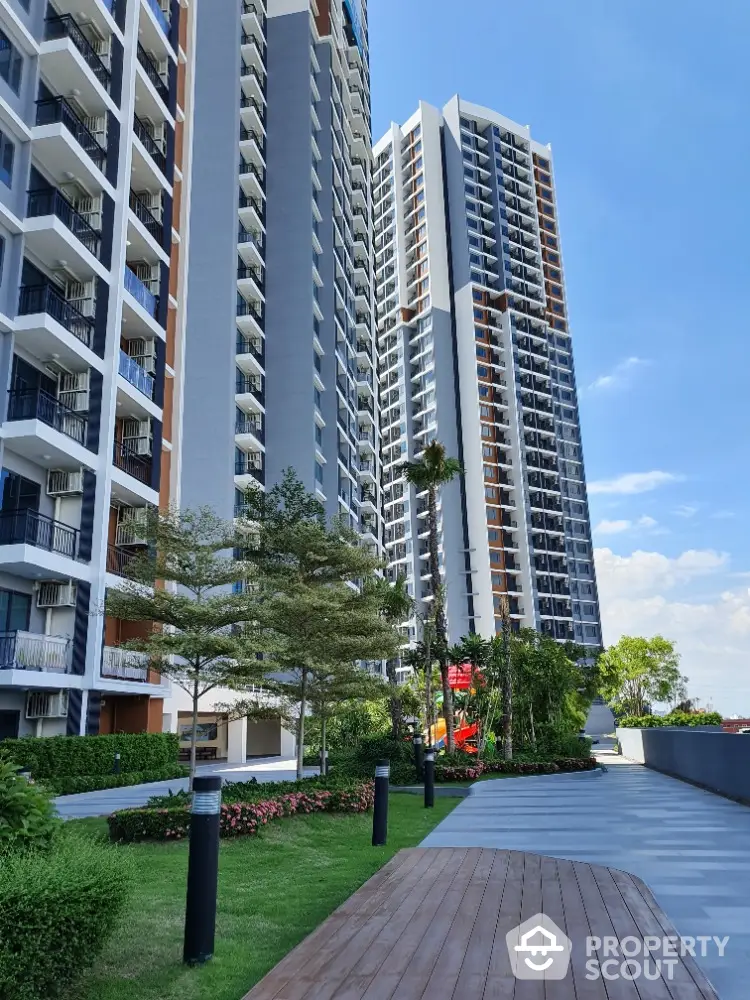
(171, 335)
(168, 404)
(155, 713)
(323, 20)
(174, 266)
(177, 205)
(179, 139)
(166, 465)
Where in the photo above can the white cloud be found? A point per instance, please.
(686, 510)
(722, 515)
(619, 374)
(606, 527)
(646, 522)
(634, 482)
(711, 629)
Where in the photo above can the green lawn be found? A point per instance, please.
(273, 890)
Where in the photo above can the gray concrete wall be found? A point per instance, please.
(707, 756)
(209, 408)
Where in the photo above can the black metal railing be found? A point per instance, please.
(246, 345)
(245, 308)
(66, 26)
(249, 133)
(29, 527)
(254, 8)
(118, 559)
(242, 467)
(144, 214)
(36, 404)
(251, 271)
(245, 425)
(50, 201)
(57, 109)
(47, 299)
(135, 465)
(250, 385)
(152, 148)
(152, 72)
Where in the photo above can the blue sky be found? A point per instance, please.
(646, 107)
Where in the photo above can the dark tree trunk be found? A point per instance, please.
(394, 702)
(441, 635)
(301, 726)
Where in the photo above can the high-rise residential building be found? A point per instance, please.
(475, 351)
(95, 138)
(280, 351)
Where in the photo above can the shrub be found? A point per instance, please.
(239, 818)
(478, 768)
(690, 719)
(27, 817)
(75, 756)
(56, 911)
(360, 760)
(95, 782)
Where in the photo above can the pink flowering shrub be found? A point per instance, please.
(238, 819)
(473, 771)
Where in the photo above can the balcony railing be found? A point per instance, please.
(152, 148)
(254, 8)
(48, 299)
(140, 293)
(244, 425)
(118, 559)
(29, 527)
(249, 133)
(50, 201)
(160, 16)
(254, 236)
(245, 308)
(66, 26)
(135, 465)
(124, 664)
(36, 404)
(28, 651)
(152, 72)
(251, 385)
(149, 221)
(251, 271)
(246, 345)
(57, 109)
(137, 376)
(243, 467)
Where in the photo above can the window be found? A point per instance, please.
(19, 493)
(11, 62)
(487, 451)
(7, 154)
(485, 411)
(481, 352)
(2, 257)
(588, 609)
(15, 609)
(490, 492)
(470, 189)
(481, 371)
(590, 631)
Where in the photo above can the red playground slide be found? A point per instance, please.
(463, 734)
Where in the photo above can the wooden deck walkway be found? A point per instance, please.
(432, 923)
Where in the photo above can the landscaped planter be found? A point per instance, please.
(474, 771)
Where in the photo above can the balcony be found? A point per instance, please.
(252, 385)
(51, 202)
(140, 292)
(57, 110)
(29, 527)
(119, 558)
(247, 272)
(250, 466)
(146, 217)
(28, 651)
(49, 300)
(246, 425)
(36, 404)
(160, 16)
(150, 144)
(66, 26)
(124, 664)
(151, 70)
(132, 372)
(130, 462)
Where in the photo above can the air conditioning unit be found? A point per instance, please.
(81, 295)
(149, 274)
(255, 460)
(55, 594)
(61, 483)
(136, 434)
(46, 704)
(131, 526)
(73, 390)
(144, 353)
(97, 125)
(91, 210)
(154, 202)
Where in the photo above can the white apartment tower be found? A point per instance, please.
(95, 138)
(475, 351)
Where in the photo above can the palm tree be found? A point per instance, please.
(433, 470)
(507, 678)
(397, 607)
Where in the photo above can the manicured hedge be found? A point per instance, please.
(96, 782)
(239, 818)
(75, 756)
(478, 768)
(691, 719)
(57, 909)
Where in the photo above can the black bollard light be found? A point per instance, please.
(419, 755)
(203, 870)
(117, 764)
(380, 808)
(429, 777)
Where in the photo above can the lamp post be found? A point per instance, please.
(419, 755)
(429, 777)
(380, 807)
(203, 870)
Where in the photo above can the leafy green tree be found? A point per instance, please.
(637, 671)
(334, 692)
(430, 472)
(397, 606)
(319, 599)
(187, 585)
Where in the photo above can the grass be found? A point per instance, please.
(273, 890)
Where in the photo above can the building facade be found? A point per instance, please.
(95, 139)
(475, 351)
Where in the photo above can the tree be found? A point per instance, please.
(638, 671)
(433, 470)
(504, 640)
(319, 601)
(397, 607)
(180, 583)
(332, 691)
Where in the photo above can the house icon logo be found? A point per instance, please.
(538, 949)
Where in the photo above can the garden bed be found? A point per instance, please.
(486, 768)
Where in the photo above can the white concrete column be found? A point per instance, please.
(288, 744)
(237, 741)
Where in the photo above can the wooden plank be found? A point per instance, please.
(689, 980)
(501, 982)
(577, 928)
(531, 904)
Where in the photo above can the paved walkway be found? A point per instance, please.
(692, 848)
(110, 799)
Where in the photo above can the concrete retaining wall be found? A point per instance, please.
(706, 757)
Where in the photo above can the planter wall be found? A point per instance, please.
(706, 757)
